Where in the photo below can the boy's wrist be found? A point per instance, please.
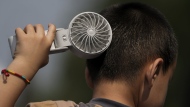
(24, 67)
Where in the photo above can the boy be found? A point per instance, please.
(133, 72)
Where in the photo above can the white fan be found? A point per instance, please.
(89, 34)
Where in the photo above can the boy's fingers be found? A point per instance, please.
(19, 32)
(29, 29)
(39, 29)
(51, 32)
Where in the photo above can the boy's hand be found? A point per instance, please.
(33, 45)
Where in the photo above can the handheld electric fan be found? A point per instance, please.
(89, 34)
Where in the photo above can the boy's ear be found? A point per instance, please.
(88, 78)
(153, 71)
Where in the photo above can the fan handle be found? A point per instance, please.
(60, 43)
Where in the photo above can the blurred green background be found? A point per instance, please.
(67, 81)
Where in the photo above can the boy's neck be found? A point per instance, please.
(117, 91)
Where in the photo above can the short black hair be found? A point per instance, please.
(141, 33)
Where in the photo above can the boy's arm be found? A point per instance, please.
(31, 54)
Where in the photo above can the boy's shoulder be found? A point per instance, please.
(60, 103)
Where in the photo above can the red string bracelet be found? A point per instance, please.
(6, 73)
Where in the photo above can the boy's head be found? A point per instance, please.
(143, 46)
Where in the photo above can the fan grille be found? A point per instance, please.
(90, 32)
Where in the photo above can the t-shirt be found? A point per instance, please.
(96, 102)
